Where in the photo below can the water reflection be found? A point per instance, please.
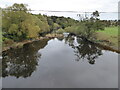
(84, 49)
(22, 62)
(53, 66)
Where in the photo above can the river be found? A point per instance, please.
(60, 63)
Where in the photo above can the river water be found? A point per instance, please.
(60, 63)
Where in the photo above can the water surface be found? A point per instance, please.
(60, 63)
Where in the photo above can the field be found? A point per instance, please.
(112, 31)
(108, 36)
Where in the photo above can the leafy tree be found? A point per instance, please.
(18, 24)
(43, 23)
(60, 31)
(95, 14)
(90, 26)
(30, 26)
(13, 28)
(56, 26)
(12, 19)
(18, 7)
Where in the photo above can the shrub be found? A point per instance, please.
(8, 41)
(60, 31)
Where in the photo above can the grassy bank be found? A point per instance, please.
(109, 36)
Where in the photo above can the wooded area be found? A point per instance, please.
(19, 24)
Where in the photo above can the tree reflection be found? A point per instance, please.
(70, 41)
(84, 49)
(22, 62)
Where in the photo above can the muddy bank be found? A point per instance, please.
(20, 44)
(110, 48)
(106, 46)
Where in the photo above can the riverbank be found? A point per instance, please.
(108, 37)
(106, 46)
(107, 43)
(101, 43)
(20, 44)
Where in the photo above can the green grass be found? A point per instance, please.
(109, 34)
(112, 31)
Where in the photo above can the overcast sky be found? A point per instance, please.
(67, 5)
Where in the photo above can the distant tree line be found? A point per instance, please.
(109, 23)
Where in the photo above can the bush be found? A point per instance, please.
(7, 41)
(60, 31)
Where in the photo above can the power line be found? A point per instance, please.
(71, 11)
(60, 11)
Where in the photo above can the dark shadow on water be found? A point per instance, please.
(22, 62)
(84, 49)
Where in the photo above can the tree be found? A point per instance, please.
(91, 25)
(56, 26)
(18, 24)
(13, 17)
(95, 14)
(18, 7)
(31, 26)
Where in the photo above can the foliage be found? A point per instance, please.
(72, 29)
(61, 21)
(91, 25)
(60, 31)
(18, 24)
(56, 26)
(12, 23)
(18, 7)
(30, 26)
(87, 26)
(8, 41)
